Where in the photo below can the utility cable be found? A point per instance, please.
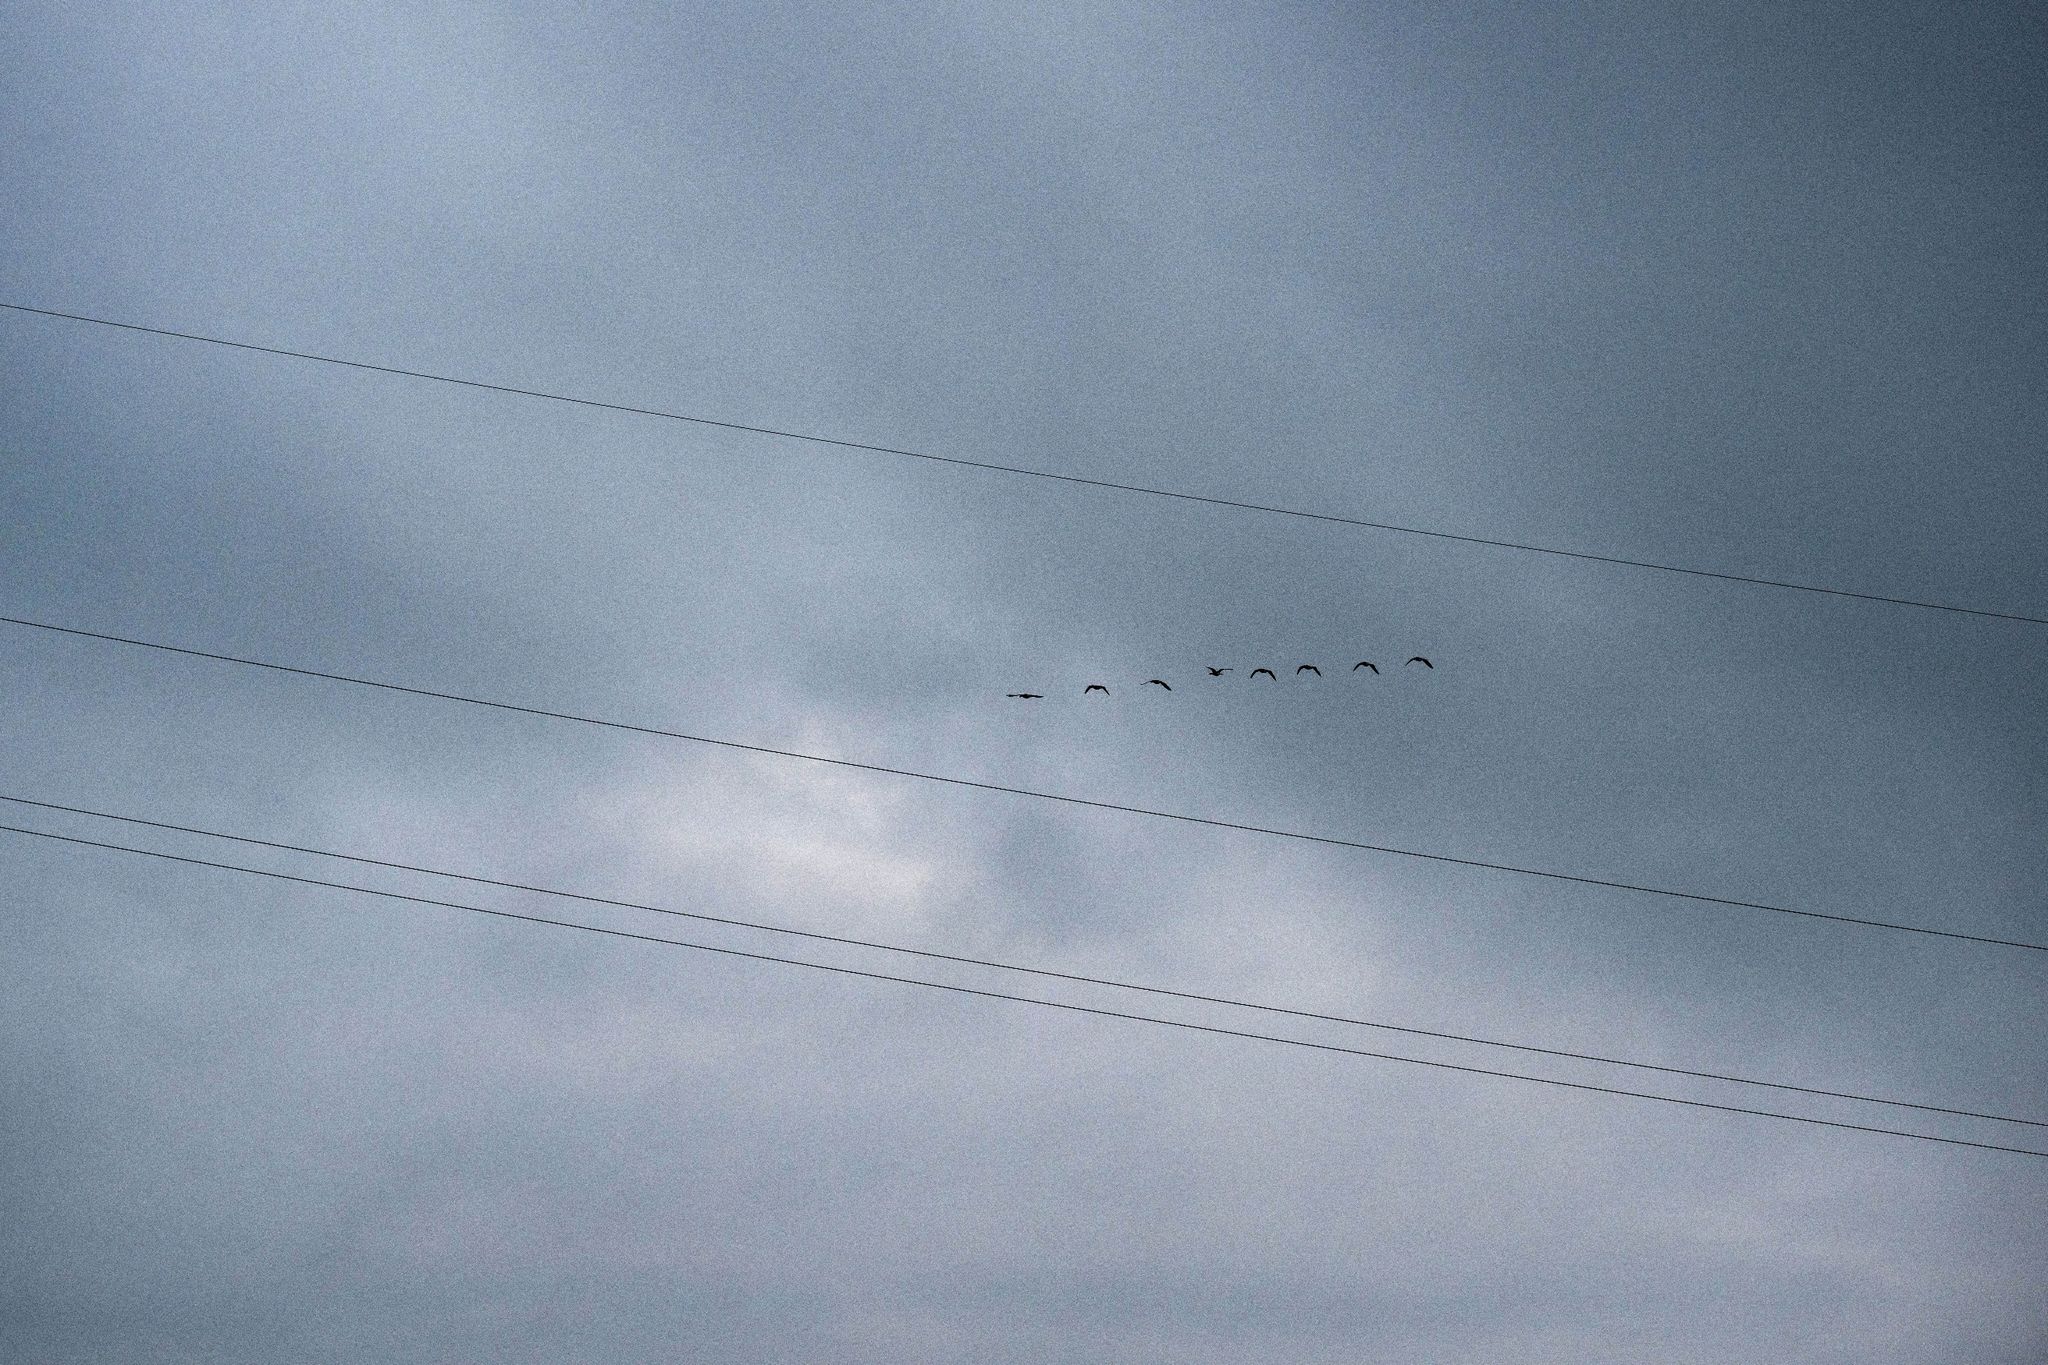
(1209, 822)
(992, 467)
(1009, 966)
(1023, 999)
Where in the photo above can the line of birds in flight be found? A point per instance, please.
(1219, 672)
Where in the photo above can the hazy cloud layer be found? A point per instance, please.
(1748, 290)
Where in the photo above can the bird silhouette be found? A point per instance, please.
(1308, 668)
(1154, 682)
(1267, 671)
(1094, 687)
(1418, 659)
(1365, 663)
(1219, 672)
(1027, 696)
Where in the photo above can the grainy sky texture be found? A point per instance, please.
(1748, 288)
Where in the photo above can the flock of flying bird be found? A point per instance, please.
(1219, 672)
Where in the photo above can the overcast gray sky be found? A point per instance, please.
(1756, 289)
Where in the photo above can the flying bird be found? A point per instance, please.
(1365, 663)
(1418, 659)
(1027, 696)
(1267, 671)
(1094, 687)
(1154, 682)
(1219, 672)
(1308, 668)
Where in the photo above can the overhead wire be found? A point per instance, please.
(962, 959)
(971, 784)
(1098, 1011)
(995, 467)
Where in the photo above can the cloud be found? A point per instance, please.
(1706, 291)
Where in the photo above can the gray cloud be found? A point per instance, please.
(1748, 290)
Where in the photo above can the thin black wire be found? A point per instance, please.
(1009, 966)
(1325, 839)
(1021, 999)
(992, 467)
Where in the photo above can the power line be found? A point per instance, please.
(1020, 999)
(1272, 831)
(1009, 966)
(992, 467)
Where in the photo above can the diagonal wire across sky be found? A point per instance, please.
(994, 467)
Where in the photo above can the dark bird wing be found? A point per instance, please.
(1027, 696)
(1218, 672)
(1094, 687)
(1154, 682)
(1308, 668)
(1418, 659)
(1365, 663)
(1267, 671)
